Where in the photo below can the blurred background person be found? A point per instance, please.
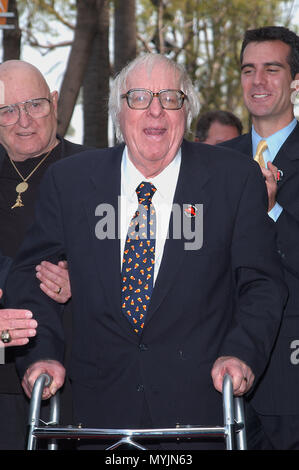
(217, 126)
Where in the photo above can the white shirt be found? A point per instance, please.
(165, 184)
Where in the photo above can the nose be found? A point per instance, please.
(24, 117)
(155, 108)
(259, 77)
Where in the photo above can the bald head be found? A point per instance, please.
(21, 65)
(22, 76)
(28, 137)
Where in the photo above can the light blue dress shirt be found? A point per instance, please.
(274, 142)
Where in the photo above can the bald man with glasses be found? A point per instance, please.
(29, 145)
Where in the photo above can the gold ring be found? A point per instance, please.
(5, 336)
(59, 290)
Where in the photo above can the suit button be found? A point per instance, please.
(143, 347)
(140, 388)
(281, 254)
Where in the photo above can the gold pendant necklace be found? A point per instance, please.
(23, 186)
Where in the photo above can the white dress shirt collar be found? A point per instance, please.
(165, 182)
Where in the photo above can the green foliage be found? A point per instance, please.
(206, 36)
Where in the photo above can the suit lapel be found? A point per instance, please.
(285, 158)
(103, 194)
(190, 189)
(105, 189)
(245, 144)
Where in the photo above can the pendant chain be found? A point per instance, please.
(22, 187)
(34, 169)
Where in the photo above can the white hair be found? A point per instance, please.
(149, 61)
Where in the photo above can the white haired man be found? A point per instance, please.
(158, 320)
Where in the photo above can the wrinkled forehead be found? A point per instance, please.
(153, 76)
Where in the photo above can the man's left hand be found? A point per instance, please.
(54, 280)
(241, 374)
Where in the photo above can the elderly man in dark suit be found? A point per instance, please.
(174, 283)
(269, 64)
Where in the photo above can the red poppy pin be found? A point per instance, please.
(190, 211)
(279, 175)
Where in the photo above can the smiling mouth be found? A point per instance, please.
(260, 95)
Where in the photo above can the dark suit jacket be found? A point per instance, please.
(67, 148)
(223, 299)
(9, 381)
(5, 263)
(278, 391)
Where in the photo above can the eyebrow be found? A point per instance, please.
(265, 64)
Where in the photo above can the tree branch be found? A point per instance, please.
(49, 47)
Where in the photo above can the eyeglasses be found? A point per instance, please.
(140, 98)
(36, 108)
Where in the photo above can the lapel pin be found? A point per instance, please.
(279, 175)
(190, 211)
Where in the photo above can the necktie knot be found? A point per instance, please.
(262, 146)
(145, 192)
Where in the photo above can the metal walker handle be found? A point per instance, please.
(233, 430)
(233, 416)
(44, 380)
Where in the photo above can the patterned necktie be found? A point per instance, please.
(262, 146)
(139, 259)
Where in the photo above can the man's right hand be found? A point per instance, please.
(53, 368)
(19, 324)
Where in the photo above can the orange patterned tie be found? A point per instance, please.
(262, 146)
(139, 259)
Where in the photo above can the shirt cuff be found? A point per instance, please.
(275, 212)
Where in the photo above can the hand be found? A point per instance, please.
(241, 374)
(270, 175)
(53, 368)
(19, 323)
(54, 280)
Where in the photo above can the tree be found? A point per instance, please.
(124, 33)
(89, 48)
(96, 82)
(85, 30)
(205, 35)
(12, 37)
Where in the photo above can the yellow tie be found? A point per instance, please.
(262, 146)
